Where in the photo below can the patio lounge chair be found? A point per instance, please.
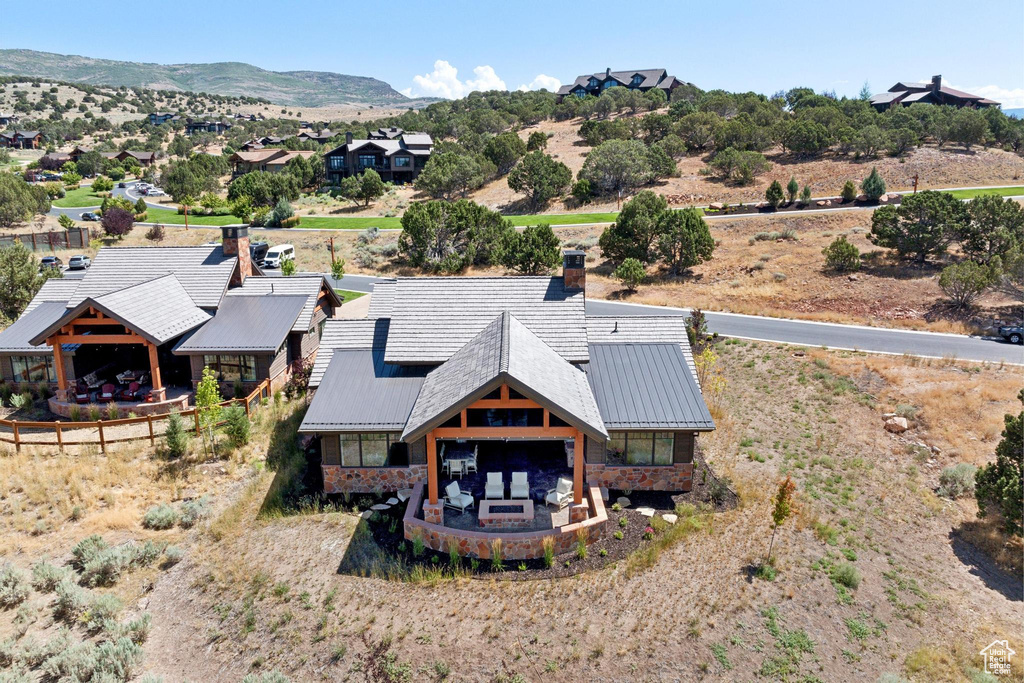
(131, 392)
(520, 487)
(107, 392)
(495, 486)
(82, 393)
(456, 497)
(561, 495)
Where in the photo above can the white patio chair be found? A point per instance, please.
(470, 464)
(520, 487)
(456, 497)
(561, 495)
(495, 486)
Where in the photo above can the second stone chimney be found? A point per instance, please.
(348, 138)
(235, 242)
(936, 83)
(574, 270)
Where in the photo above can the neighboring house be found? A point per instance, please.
(21, 139)
(159, 315)
(933, 92)
(386, 133)
(161, 117)
(251, 146)
(399, 159)
(269, 160)
(193, 126)
(323, 136)
(472, 362)
(144, 158)
(642, 80)
(8, 119)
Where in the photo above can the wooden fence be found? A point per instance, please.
(74, 238)
(103, 432)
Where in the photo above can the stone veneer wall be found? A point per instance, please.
(678, 477)
(368, 479)
(173, 405)
(524, 545)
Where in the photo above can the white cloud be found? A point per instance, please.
(444, 81)
(1009, 98)
(542, 81)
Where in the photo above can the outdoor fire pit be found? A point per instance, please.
(506, 514)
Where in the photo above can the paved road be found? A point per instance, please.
(799, 332)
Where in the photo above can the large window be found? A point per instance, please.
(505, 417)
(402, 162)
(33, 368)
(337, 163)
(374, 449)
(367, 160)
(232, 368)
(640, 448)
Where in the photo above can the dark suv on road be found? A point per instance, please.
(50, 263)
(1012, 333)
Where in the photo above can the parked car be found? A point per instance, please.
(1012, 333)
(90, 216)
(50, 263)
(155, 192)
(122, 185)
(278, 255)
(79, 262)
(258, 252)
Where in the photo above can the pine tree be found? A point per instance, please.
(792, 187)
(176, 438)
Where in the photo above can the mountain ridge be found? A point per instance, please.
(300, 88)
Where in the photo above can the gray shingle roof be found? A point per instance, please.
(361, 392)
(54, 289)
(382, 299)
(308, 286)
(255, 324)
(204, 271)
(433, 317)
(159, 310)
(347, 334)
(18, 337)
(505, 351)
(646, 386)
(610, 329)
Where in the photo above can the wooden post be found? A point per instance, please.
(431, 468)
(103, 441)
(60, 437)
(58, 367)
(154, 367)
(17, 438)
(149, 421)
(195, 418)
(577, 469)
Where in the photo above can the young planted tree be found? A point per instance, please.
(773, 195)
(631, 273)
(999, 483)
(873, 186)
(208, 407)
(288, 267)
(841, 255)
(792, 187)
(65, 221)
(849, 191)
(805, 195)
(783, 506)
(175, 436)
(685, 240)
(338, 268)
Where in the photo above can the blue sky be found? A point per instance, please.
(447, 48)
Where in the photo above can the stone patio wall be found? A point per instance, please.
(678, 477)
(515, 545)
(371, 479)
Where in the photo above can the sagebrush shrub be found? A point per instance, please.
(86, 549)
(847, 575)
(957, 481)
(101, 612)
(161, 516)
(173, 555)
(46, 576)
(71, 602)
(193, 511)
(13, 586)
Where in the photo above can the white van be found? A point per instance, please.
(278, 255)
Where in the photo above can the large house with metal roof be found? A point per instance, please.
(639, 79)
(471, 380)
(905, 94)
(143, 322)
(397, 155)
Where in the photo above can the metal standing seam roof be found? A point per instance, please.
(382, 299)
(610, 329)
(646, 386)
(18, 337)
(347, 334)
(256, 324)
(361, 392)
(159, 310)
(203, 271)
(506, 351)
(308, 286)
(433, 317)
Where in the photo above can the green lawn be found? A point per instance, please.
(172, 217)
(1001, 191)
(77, 199)
(348, 295)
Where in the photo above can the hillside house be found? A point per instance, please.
(398, 159)
(642, 80)
(193, 126)
(321, 137)
(934, 92)
(21, 139)
(482, 381)
(269, 160)
(161, 117)
(143, 322)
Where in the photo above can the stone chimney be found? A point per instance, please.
(607, 72)
(574, 270)
(348, 138)
(936, 83)
(235, 242)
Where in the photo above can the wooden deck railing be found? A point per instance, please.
(103, 432)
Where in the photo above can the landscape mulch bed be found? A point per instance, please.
(708, 494)
(837, 203)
